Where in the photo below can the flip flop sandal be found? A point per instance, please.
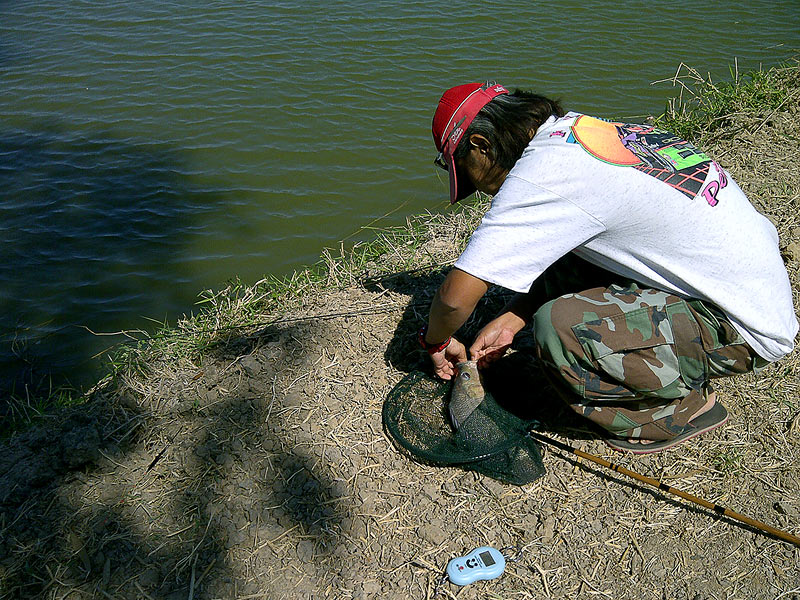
(697, 426)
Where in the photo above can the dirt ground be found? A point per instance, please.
(261, 469)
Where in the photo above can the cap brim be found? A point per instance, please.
(460, 185)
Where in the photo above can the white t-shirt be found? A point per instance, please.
(642, 203)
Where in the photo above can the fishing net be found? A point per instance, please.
(491, 441)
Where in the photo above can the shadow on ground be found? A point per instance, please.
(110, 498)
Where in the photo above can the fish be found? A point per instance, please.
(467, 393)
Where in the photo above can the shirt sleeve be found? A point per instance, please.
(526, 230)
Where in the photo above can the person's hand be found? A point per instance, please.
(495, 339)
(445, 361)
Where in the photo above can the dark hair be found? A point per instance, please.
(508, 122)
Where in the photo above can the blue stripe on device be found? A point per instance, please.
(481, 564)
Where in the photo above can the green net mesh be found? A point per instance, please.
(491, 441)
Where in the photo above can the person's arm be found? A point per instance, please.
(452, 305)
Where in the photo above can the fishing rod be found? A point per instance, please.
(666, 488)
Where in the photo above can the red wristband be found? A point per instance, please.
(432, 348)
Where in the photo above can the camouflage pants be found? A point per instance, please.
(635, 361)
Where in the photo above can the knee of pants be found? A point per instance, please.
(552, 329)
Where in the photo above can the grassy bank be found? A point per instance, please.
(702, 107)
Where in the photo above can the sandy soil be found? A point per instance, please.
(261, 469)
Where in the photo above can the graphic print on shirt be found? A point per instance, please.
(653, 151)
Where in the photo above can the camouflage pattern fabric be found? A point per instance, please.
(633, 360)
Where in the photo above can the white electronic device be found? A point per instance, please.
(481, 564)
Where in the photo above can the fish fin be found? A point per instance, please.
(453, 419)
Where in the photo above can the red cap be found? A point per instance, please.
(457, 108)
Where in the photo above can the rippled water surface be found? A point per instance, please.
(150, 150)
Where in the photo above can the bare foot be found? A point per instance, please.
(711, 400)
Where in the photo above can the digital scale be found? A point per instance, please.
(481, 564)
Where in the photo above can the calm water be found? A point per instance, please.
(150, 150)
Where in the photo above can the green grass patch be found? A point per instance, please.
(21, 410)
(728, 462)
(703, 107)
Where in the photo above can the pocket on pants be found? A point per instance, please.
(726, 350)
(635, 348)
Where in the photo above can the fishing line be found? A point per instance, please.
(376, 219)
(284, 320)
(173, 333)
